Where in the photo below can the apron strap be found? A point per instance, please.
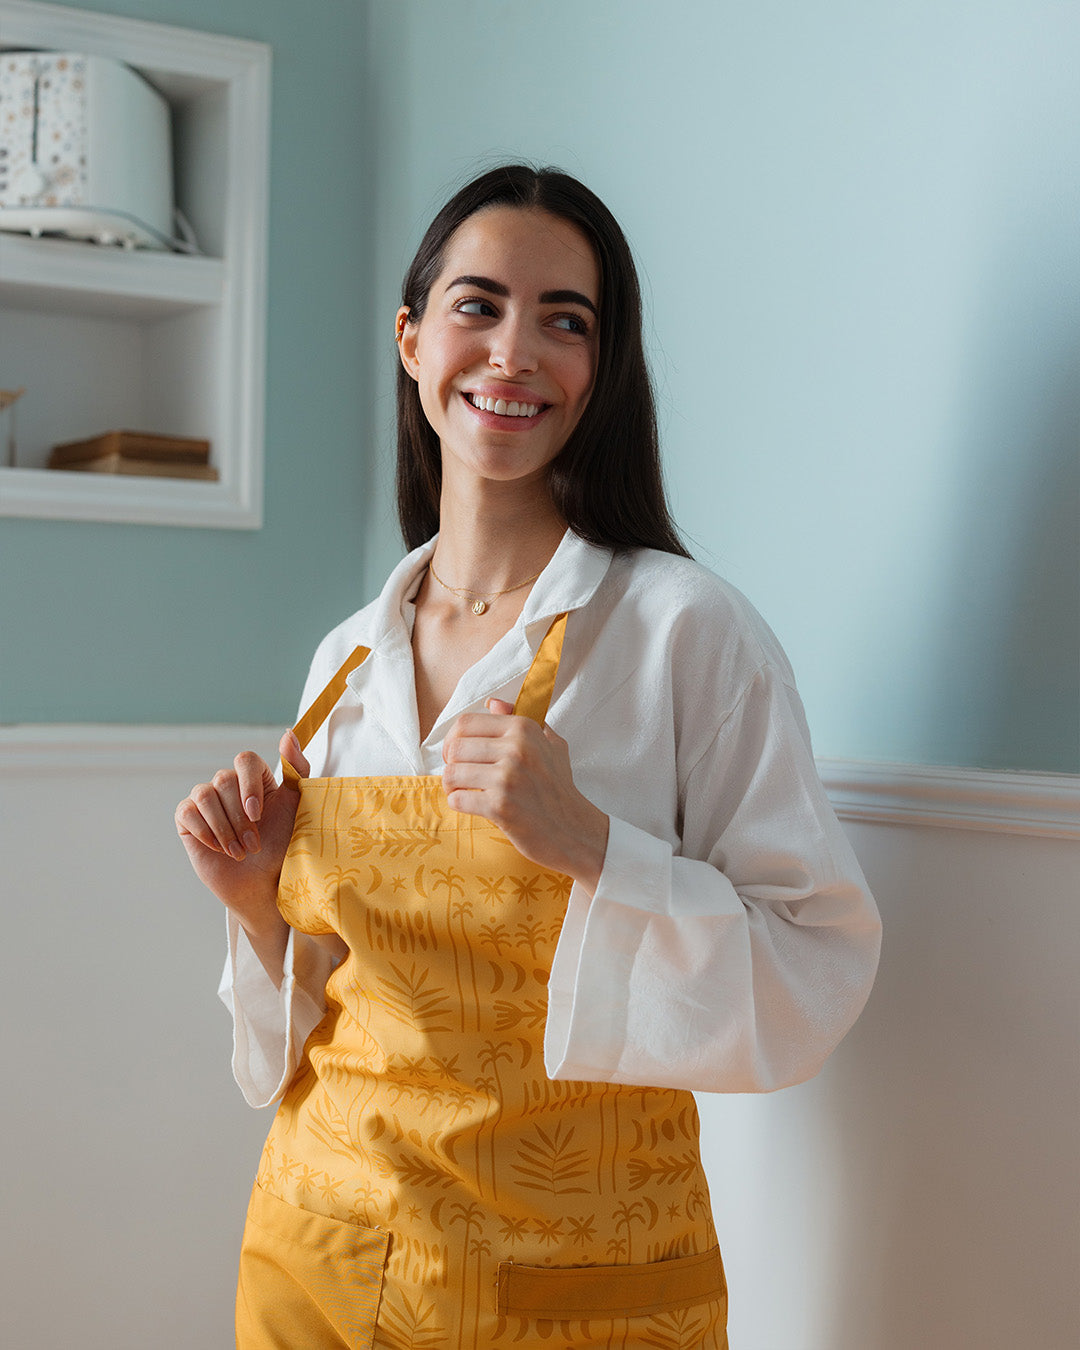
(320, 710)
(539, 682)
(533, 699)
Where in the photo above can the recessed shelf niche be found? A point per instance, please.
(106, 338)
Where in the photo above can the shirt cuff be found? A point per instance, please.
(270, 1025)
(605, 955)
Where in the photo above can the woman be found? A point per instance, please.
(486, 998)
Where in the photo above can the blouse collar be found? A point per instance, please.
(385, 681)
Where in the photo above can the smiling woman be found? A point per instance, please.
(556, 855)
(504, 354)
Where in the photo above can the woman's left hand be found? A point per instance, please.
(517, 775)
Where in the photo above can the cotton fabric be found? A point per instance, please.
(732, 940)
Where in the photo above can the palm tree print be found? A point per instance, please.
(472, 1217)
(495, 935)
(642, 1212)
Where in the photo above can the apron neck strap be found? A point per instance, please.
(321, 708)
(539, 682)
(532, 701)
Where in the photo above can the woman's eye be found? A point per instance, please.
(481, 307)
(571, 323)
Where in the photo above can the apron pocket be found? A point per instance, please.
(611, 1291)
(306, 1280)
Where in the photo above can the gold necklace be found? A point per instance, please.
(480, 602)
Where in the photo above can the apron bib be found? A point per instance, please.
(424, 1183)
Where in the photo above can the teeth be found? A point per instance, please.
(502, 408)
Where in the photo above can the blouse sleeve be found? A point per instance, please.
(736, 961)
(270, 1025)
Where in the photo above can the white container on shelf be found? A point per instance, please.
(85, 150)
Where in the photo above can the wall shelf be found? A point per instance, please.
(105, 338)
(53, 275)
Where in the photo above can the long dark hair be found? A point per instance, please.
(606, 482)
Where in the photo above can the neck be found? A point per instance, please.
(492, 539)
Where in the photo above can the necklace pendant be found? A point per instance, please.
(479, 607)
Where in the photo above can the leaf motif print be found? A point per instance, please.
(526, 889)
(508, 1015)
(328, 1188)
(412, 1170)
(305, 823)
(360, 842)
(549, 1231)
(582, 1230)
(492, 889)
(408, 1326)
(549, 1164)
(683, 1329)
(327, 1124)
(411, 999)
(513, 1230)
(294, 901)
(665, 1170)
(399, 843)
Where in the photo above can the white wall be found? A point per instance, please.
(921, 1192)
(128, 1154)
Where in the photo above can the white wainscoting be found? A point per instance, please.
(921, 1192)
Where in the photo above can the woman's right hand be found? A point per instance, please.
(236, 831)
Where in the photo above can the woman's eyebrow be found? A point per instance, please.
(568, 298)
(546, 298)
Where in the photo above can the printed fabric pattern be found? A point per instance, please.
(516, 1210)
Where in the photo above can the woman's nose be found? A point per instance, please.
(512, 351)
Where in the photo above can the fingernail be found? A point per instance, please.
(236, 852)
(251, 806)
(250, 840)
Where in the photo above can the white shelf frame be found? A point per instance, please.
(56, 276)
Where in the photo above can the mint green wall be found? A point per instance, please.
(858, 226)
(111, 622)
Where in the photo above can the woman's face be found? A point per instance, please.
(505, 354)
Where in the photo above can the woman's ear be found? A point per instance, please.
(406, 335)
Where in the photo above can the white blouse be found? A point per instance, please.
(731, 941)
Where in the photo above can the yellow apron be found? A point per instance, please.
(424, 1183)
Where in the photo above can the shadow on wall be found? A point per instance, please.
(954, 1101)
(1009, 695)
